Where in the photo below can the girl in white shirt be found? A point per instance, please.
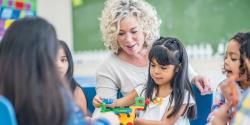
(168, 87)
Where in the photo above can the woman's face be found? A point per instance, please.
(232, 59)
(62, 62)
(130, 37)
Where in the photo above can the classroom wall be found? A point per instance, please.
(192, 21)
(58, 12)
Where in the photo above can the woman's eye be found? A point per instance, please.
(134, 32)
(120, 34)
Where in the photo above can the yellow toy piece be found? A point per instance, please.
(157, 100)
(128, 119)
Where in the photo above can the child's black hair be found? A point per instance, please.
(166, 51)
(240, 39)
(244, 49)
(29, 77)
(70, 71)
(246, 45)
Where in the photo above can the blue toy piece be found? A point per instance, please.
(107, 101)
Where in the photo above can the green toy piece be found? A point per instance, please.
(126, 114)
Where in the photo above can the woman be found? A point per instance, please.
(129, 27)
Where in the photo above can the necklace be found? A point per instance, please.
(157, 100)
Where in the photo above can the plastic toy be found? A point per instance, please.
(126, 114)
(235, 98)
(107, 101)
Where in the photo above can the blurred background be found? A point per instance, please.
(192, 21)
(204, 26)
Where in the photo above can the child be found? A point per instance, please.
(234, 69)
(243, 111)
(29, 78)
(243, 114)
(66, 68)
(167, 83)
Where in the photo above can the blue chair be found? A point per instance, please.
(88, 86)
(90, 94)
(7, 114)
(203, 103)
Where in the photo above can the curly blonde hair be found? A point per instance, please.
(116, 10)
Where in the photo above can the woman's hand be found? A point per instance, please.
(203, 84)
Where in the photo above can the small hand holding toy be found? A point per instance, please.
(230, 92)
(107, 101)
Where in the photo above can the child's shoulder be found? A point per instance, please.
(188, 98)
(217, 89)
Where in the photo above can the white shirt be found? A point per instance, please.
(115, 74)
(156, 111)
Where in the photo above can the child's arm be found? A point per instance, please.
(80, 99)
(128, 100)
(221, 116)
(125, 101)
(165, 121)
(225, 91)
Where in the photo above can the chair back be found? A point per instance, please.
(203, 103)
(7, 114)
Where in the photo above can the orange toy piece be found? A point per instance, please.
(234, 97)
(230, 92)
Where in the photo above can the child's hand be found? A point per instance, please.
(230, 92)
(107, 118)
(221, 116)
(89, 120)
(97, 101)
(109, 103)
